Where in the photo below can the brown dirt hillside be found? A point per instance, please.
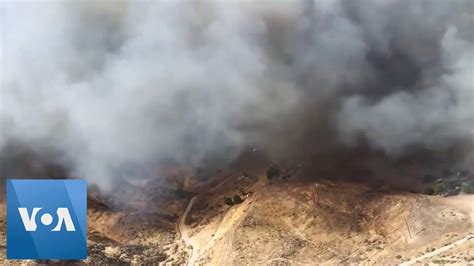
(282, 221)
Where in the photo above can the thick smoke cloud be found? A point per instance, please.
(110, 89)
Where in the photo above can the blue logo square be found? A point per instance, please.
(46, 219)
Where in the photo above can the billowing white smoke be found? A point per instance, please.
(439, 110)
(115, 87)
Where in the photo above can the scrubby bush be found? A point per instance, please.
(452, 184)
(229, 201)
(236, 199)
(272, 172)
(440, 189)
(429, 191)
(468, 187)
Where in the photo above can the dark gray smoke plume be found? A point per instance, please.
(108, 89)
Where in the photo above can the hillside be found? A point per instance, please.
(291, 221)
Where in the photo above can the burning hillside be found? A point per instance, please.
(216, 132)
(241, 216)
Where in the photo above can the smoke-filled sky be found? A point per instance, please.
(110, 88)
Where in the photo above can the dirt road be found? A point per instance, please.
(220, 244)
(184, 232)
(438, 251)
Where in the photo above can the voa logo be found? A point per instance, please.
(47, 219)
(29, 220)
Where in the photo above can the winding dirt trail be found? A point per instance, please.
(438, 251)
(184, 232)
(221, 241)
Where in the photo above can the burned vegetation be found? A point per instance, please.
(449, 183)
